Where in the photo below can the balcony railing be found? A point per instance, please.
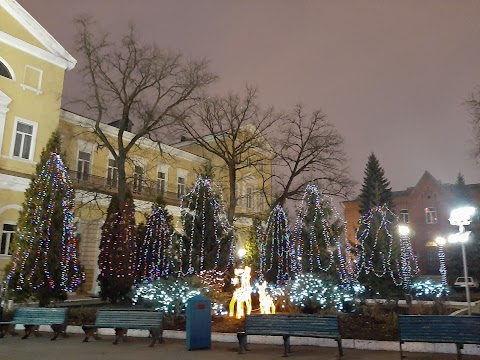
(144, 190)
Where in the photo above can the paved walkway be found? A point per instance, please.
(72, 348)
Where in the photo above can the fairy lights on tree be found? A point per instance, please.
(208, 238)
(316, 235)
(156, 250)
(45, 264)
(118, 251)
(277, 261)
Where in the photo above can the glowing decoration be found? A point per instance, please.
(428, 289)
(266, 302)
(45, 263)
(156, 251)
(316, 235)
(376, 245)
(277, 255)
(441, 258)
(241, 253)
(212, 280)
(242, 296)
(208, 242)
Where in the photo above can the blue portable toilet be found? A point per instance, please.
(199, 323)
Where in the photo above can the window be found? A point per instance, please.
(261, 167)
(32, 79)
(181, 182)
(83, 165)
(249, 198)
(4, 71)
(24, 140)
(403, 216)
(161, 182)
(112, 173)
(138, 179)
(431, 215)
(261, 202)
(7, 234)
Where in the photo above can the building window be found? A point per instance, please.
(83, 165)
(138, 179)
(161, 182)
(32, 79)
(403, 216)
(7, 235)
(4, 71)
(181, 186)
(431, 215)
(24, 140)
(261, 167)
(261, 202)
(249, 198)
(112, 173)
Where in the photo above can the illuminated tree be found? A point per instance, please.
(118, 249)
(45, 264)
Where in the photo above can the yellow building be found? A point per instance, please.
(32, 68)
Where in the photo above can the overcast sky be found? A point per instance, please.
(391, 75)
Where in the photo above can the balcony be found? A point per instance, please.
(147, 190)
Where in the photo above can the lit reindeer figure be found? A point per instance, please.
(243, 295)
(266, 302)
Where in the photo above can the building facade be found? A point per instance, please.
(425, 208)
(32, 69)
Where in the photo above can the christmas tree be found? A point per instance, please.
(45, 264)
(156, 250)
(208, 239)
(277, 262)
(317, 232)
(118, 251)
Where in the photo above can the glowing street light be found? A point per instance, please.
(461, 217)
(241, 253)
(441, 257)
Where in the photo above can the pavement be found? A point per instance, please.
(72, 348)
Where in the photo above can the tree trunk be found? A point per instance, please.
(122, 180)
(232, 178)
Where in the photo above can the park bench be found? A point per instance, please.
(123, 319)
(458, 330)
(33, 317)
(287, 325)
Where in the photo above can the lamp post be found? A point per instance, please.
(461, 217)
(441, 257)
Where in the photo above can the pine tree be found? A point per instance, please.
(45, 264)
(375, 189)
(207, 243)
(155, 255)
(378, 252)
(317, 236)
(118, 251)
(277, 255)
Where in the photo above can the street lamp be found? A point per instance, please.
(461, 217)
(441, 257)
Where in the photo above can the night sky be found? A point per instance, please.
(391, 75)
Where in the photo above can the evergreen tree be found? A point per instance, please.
(378, 247)
(375, 189)
(45, 263)
(277, 253)
(155, 258)
(317, 236)
(253, 245)
(118, 251)
(207, 242)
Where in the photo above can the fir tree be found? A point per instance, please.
(45, 263)
(118, 251)
(375, 189)
(207, 243)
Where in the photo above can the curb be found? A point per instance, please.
(419, 347)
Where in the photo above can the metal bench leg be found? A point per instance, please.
(156, 334)
(286, 345)
(57, 330)
(459, 351)
(242, 342)
(119, 333)
(28, 330)
(7, 328)
(340, 348)
(401, 351)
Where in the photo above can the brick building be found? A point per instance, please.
(425, 208)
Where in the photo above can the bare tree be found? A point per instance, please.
(138, 86)
(234, 128)
(309, 149)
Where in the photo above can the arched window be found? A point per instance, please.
(4, 71)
